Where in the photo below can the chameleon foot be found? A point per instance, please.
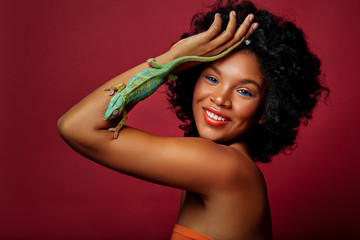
(112, 90)
(117, 129)
(116, 132)
(115, 89)
(153, 64)
(172, 77)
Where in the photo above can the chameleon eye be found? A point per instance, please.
(115, 112)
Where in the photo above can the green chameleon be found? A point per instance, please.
(145, 83)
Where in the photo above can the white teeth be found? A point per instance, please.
(214, 116)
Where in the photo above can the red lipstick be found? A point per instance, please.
(207, 112)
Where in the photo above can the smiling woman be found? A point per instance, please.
(290, 84)
(237, 110)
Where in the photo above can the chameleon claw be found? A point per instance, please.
(117, 129)
(116, 132)
(153, 64)
(117, 88)
(111, 89)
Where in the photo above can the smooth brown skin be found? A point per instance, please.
(224, 195)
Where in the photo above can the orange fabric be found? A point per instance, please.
(183, 233)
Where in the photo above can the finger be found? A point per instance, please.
(214, 29)
(228, 33)
(244, 27)
(251, 30)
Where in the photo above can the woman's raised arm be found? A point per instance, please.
(168, 161)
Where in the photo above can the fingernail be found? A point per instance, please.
(217, 14)
(233, 13)
(251, 17)
(255, 26)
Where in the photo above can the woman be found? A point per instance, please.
(237, 110)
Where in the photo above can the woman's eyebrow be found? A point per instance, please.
(245, 81)
(215, 69)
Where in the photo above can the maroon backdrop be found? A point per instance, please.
(52, 53)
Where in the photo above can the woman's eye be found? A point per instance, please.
(245, 93)
(211, 79)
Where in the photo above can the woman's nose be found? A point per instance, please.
(221, 97)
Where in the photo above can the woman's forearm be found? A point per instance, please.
(86, 116)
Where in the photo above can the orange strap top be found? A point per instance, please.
(183, 233)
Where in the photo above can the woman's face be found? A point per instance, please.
(227, 97)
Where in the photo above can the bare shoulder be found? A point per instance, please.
(240, 168)
(231, 164)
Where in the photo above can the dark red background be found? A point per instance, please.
(52, 53)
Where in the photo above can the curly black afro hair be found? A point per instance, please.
(290, 70)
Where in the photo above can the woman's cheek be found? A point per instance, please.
(247, 109)
(201, 90)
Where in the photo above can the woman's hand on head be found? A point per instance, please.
(213, 41)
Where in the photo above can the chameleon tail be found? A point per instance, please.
(177, 62)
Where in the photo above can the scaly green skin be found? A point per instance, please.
(145, 83)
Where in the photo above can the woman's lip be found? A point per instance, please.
(212, 121)
(217, 113)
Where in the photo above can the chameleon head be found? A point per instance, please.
(114, 108)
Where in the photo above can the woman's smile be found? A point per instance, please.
(215, 118)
